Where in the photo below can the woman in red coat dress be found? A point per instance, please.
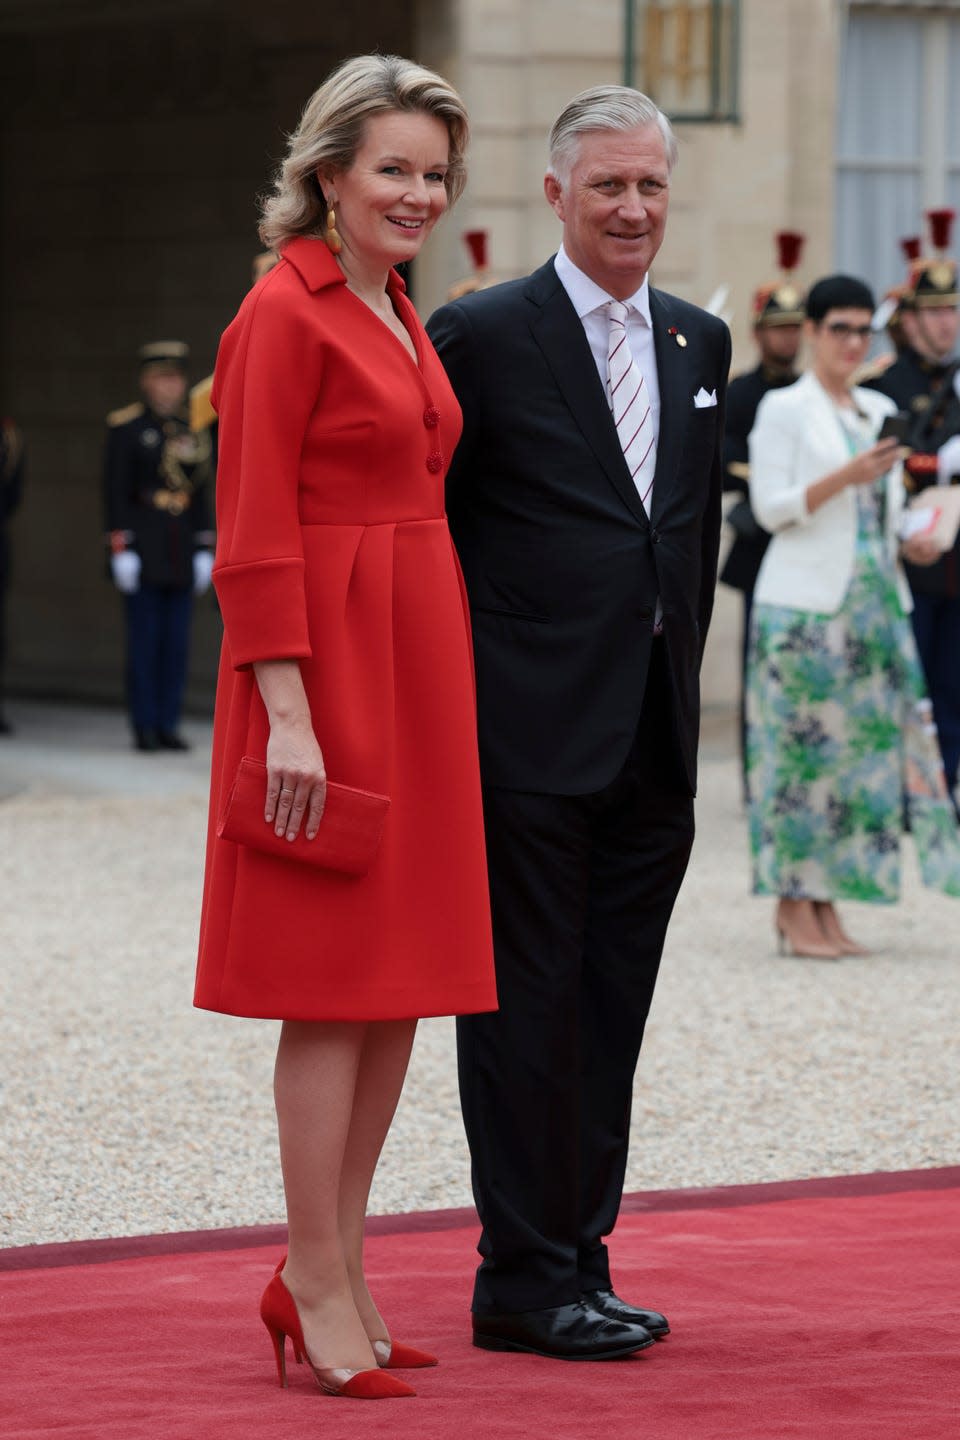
(345, 628)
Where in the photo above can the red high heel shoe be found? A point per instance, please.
(392, 1354)
(278, 1311)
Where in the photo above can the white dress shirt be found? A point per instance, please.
(590, 301)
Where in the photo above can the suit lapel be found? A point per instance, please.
(675, 395)
(557, 330)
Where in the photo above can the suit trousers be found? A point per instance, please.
(158, 642)
(582, 888)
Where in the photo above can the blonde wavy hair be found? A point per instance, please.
(331, 132)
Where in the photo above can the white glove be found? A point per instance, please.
(202, 570)
(948, 460)
(125, 566)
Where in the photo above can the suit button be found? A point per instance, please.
(654, 537)
(435, 462)
(431, 417)
(645, 612)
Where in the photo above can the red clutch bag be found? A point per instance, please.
(348, 836)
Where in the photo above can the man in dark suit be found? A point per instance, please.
(585, 504)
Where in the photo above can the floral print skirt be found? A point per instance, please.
(842, 749)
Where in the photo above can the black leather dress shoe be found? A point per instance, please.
(145, 740)
(567, 1332)
(614, 1308)
(169, 740)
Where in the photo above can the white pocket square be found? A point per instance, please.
(702, 400)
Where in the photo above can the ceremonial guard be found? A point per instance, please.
(924, 381)
(158, 473)
(11, 492)
(477, 243)
(777, 322)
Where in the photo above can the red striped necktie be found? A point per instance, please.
(630, 404)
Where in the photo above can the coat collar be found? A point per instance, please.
(314, 262)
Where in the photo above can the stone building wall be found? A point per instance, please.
(134, 137)
(736, 184)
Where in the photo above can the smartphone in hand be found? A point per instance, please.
(896, 426)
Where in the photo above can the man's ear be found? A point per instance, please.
(554, 193)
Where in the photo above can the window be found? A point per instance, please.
(898, 145)
(684, 55)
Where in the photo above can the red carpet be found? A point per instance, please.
(822, 1309)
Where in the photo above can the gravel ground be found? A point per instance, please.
(124, 1111)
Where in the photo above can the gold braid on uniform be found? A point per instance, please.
(183, 448)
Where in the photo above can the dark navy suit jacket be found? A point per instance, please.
(562, 566)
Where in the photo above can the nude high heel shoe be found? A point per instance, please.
(803, 946)
(391, 1354)
(278, 1311)
(833, 931)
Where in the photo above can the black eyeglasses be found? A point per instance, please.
(843, 331)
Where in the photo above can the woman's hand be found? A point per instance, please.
(296, 778)
(920, 550)
(863, 469)
(870, 464)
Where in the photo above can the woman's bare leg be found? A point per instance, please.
(382, 1068)
(315, 1088)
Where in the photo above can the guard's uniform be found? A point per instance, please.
(930, 393)
(11, 492)
(157, 479)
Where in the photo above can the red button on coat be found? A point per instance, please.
(435, 462)
(431, 417)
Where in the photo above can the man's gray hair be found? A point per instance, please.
(604, 107)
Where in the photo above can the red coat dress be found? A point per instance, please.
(333, 550)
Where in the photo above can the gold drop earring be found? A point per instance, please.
(332, 235)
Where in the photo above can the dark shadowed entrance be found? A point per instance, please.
(134, 137)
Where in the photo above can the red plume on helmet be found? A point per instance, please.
(476, 243)
(941, 224)
(789, 248)
(911, 248)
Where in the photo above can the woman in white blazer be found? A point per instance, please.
(839, 725)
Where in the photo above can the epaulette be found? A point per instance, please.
(464, 287)
(124, 415)
(202, 412)
(873, 369)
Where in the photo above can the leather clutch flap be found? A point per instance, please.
(349, 832)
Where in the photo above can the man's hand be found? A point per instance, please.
(125, 568)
